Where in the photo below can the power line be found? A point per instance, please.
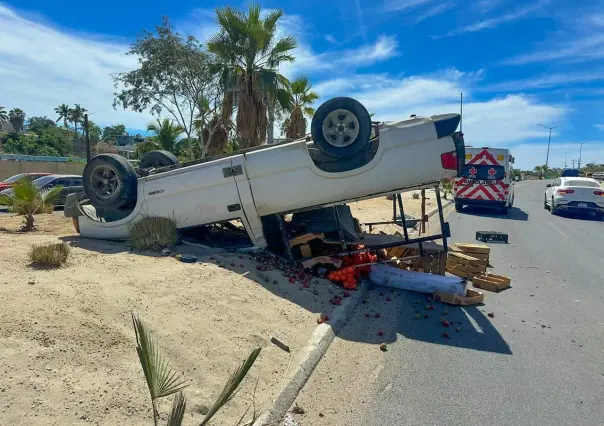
(548, 143)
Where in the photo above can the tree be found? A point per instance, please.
(174, 74)
(63, 112)
(167, 132)
(76, 116)
(16, 116)
(28, 200)
(55, 138)
(29, 145)
(94, 131)
(248, 57)
(3, 114)
(37, 124)
(146, 147)
(110, 133)
(302, 99)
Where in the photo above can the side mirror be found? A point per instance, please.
(549, 185)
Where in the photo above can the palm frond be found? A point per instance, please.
(48, 199)
(178, 410)
(161, 379)
(310, 111)
(231, 387)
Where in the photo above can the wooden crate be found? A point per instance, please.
(473, 248)
(491, 282)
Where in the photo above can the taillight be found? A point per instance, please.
(600, 193)
(565, 191)
(449, 160)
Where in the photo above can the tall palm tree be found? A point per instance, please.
(3, 114)
(248, 57)
(167, 132)
(16, 116)
(76, 116)
(302, 99)
(63, 112)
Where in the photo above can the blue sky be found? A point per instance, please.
(519, 64)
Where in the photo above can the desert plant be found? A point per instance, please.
(415, 195)
(27, 199)
(153, 233)
(446, 187)
(163, 381)
(50, 255)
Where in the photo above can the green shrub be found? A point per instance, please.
(153, 233)
(51, 255)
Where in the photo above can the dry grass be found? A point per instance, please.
(153, 233)
(49, 255)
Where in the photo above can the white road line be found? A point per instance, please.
(555, 228)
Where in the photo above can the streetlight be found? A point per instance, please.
(548, 142)
(580, 152)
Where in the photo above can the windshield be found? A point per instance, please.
(40, 182)
(583, 183)
(14, 178)
(483, 172)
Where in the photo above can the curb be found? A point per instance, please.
(308, 358)
(444, 203)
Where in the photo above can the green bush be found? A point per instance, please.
(51, 255)
(153, 233)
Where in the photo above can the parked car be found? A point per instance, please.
(570, 173)
(70, 184)
(341, 163)
(7, 183)
(576, 194)
(599, 176)
(486, 180)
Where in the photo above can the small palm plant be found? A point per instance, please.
(28, 200)
(163, 381)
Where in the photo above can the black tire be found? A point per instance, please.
(545, 206)
(157, 159)
(458, 207)
(110, 181)
(345, 141)
(552, 208)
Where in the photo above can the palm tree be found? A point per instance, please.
(63, 112)
(302, 100)
(143, 148)
(3, 114)
(16, 116)
(248, 57)
(26, 199)
(167, 132)
(76, 116)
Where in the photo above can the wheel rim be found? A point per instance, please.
(104, 181)
(340, 128)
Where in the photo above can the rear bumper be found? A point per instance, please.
(480, 203)
(570, 208)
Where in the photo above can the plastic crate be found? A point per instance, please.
(492, 237)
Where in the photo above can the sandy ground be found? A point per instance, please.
(67, 347)
(380, 209)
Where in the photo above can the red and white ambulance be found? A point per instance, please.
(486, 179)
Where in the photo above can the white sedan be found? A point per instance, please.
(575, 194)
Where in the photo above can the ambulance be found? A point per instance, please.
(486, 179)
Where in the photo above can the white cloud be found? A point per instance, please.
(396, 5)
(544, 81)
(329, 38)
(530, 155)
(498, 20)
(435, 10)
(580, 48)
(42, 67)
(599, 126)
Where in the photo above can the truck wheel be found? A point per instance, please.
(110, 181)
(158, 159)
(341, 127)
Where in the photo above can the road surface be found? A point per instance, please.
(539, 361)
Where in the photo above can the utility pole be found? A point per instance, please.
(565, 161)
(573, 161)
(461, 112)
(548, 143)
(580, 152)
(87, 137)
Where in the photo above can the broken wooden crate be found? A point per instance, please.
(464, 265)
(491, 282)
(479, 251)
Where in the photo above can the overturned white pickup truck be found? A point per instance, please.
(349, 158)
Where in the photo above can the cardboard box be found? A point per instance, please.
(472, 297)
(491, 282)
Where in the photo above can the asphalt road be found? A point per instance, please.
(539, 361)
